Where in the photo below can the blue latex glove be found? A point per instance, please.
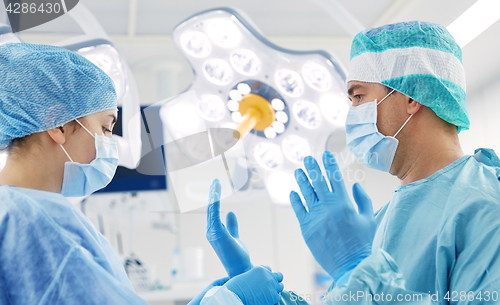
(258, 286)
(231, 251)
(338, 236)
(199, 297)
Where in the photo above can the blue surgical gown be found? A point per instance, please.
(438, 237)
(50, 253)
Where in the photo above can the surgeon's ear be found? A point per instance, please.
(413, 106)
(58, 135)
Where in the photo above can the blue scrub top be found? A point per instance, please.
(444, 231)
(50, 253)
(438, 237)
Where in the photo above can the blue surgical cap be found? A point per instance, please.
(419, 59)
(43, 87)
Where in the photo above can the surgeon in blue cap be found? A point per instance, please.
(438, 239)
(57, 111)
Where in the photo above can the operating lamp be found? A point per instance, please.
(6, 35)
(283, 104)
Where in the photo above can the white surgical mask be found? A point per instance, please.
(84, 179)
(365, 141)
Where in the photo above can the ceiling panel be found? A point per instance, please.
(437, 11)
(107, 5)
(274, 18)
(270, 24)
(111, 14)
(296, 18)
(482, 60)
(61, 25)
(367, 12)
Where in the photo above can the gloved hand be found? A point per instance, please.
(258, 286)
(231, 251)
(338, 236)
(199, 297)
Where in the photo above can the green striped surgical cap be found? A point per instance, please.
(419, 59)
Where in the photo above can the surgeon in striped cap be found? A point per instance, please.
(438, 238)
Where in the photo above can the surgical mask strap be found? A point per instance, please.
(386, 96)
(66, 153)
(403, 125)
(406, 120)
(85, 128)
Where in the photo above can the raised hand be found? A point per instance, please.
(231, 251)
(338, 236)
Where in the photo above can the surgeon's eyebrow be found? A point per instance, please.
(351, 90)
(114, 119)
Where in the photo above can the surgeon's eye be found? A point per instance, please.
(106, 130)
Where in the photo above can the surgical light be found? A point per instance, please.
(281, 117)
(211, 107)
(278, 104)
(289, 82)
(245, 62)
(218, 71)
(257, 113)
(8, 38)
(334, 107)
(109, 60)
(279, 127)
(295, 148)
(236, 116)
(268, 155)
(244, 88)
(196, 44)
(235, 95)
(6, 35)
(276, 97)
(181, 117)
(224, 33)
(279, 185)
(316, 76)
(233, 105)
(307, 114)
(270, 133)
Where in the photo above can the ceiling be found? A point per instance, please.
(274, 17)
(292, 18)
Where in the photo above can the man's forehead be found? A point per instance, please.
(353, 85)
(356, 85)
